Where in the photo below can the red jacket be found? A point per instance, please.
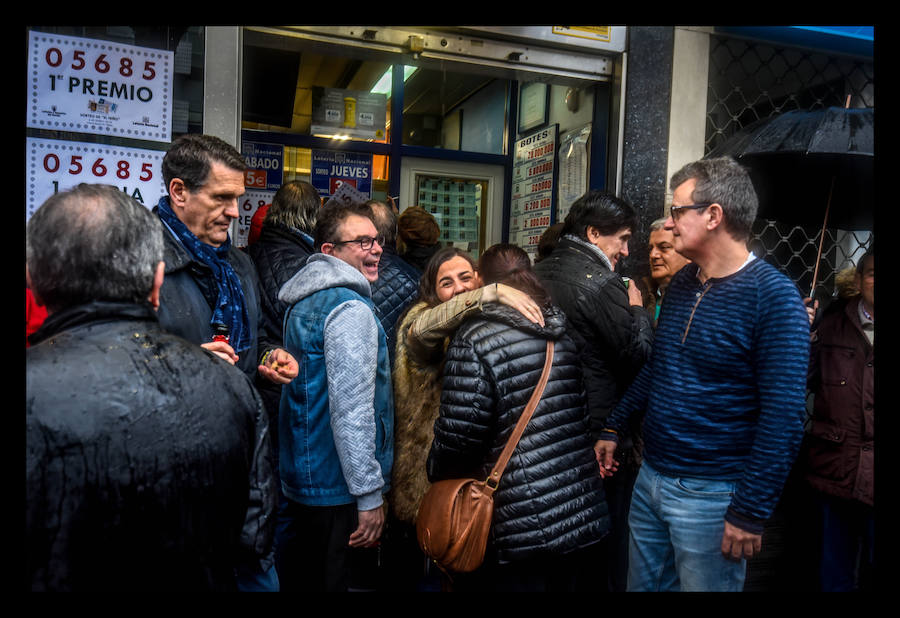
(839, 456)
(35, 315)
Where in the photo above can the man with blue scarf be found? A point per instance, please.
(211, 286)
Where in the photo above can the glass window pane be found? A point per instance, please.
(455, 111)
(456, 205)
(306, 93)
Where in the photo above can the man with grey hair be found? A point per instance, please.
(664, 263)
(147, 457)
(724, 393)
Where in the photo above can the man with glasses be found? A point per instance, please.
(336, 417)
(724, 393)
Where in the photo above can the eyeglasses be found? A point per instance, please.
(676, 213)
(365, 243)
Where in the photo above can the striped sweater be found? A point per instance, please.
(725, 386)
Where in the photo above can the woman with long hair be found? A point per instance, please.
(449, 291)
(550, 513)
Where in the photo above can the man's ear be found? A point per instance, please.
(158, 277)
(716, 216)
(177, 192)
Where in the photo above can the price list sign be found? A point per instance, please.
(99, 87)
(53, 166)
(533, 181)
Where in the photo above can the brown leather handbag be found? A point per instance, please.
(454, 518)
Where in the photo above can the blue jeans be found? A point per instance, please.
(251, 579)
(676, 529)
(848, 545)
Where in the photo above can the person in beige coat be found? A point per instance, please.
(450, 290)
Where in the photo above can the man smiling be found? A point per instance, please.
(336, 419)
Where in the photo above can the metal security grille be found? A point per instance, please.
(750, 80)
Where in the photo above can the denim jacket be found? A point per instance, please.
(336, 417)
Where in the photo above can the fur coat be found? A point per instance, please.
(422, 338)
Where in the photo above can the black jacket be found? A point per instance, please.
(278, 254)
(550, 500)
(189, 293)
(148, 461)
(614, 338)
(393, 291)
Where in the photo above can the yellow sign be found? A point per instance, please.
(594, 33)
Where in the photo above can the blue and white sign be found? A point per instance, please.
(266, 163)
(330, 169)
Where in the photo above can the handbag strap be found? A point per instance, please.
(494, 479)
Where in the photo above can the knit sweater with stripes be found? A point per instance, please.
(725, 387)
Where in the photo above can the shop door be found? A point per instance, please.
(465, 198)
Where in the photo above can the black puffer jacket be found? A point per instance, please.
(278, 254)
(147, 464)
(393, 292)
(550, 500)
(614, 338)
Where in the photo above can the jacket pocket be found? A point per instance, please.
(827, 455)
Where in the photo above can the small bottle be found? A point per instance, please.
(220, 332)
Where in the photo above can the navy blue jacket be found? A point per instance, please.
(395, 289)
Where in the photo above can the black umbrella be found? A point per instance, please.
(811, 167)
(799, 160)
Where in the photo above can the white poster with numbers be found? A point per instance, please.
(532, 191)
(52, 166)
(99, 87)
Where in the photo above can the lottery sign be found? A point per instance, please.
(53, 166)
(533, 180)
(99, 87)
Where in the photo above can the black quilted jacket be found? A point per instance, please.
(393, 291)
(278, 254)
(550, 500)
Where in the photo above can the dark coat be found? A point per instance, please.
(278, 254)
(550, 500)
(394, 290)
(188, 295)
(148, 461)
(839, 451)
(614, 338)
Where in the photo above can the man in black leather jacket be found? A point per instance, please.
(612, 329)
(148, 461)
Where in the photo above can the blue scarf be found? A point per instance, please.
(230, 309)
